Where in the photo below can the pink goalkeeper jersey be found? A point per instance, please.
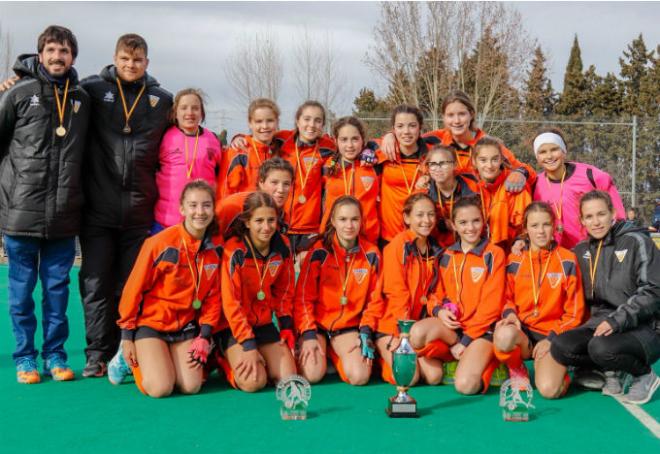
(580, 178)
(174, 169)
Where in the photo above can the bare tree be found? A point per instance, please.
(424, 50)
(255, 68)
(6, 52)
(317, 71)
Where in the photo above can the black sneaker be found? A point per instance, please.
(95, 368)
(589, 379)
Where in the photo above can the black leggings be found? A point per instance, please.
(616, 352)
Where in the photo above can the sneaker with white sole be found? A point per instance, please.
(589, 378)
(613, 385)
(642, 388)
(117, 368)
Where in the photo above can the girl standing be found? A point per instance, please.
(187, 152)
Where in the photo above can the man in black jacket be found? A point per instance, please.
(129, 117)
(43, 125)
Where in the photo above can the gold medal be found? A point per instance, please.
(343, 300)
(424, 299)
(60, 131)
(128, 112)
(302, 199)
(61, 108)
(560, 228)
(196, 304)
(127, 129)
(535, 313)
(261, 295)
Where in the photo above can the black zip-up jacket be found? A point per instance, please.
(40, 172)
(120, 174)
(627, 282)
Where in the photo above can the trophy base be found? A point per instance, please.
(401, 409)
(515, 415)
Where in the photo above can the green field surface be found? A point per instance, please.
(91, 415)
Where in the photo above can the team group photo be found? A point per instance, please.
(446, 246)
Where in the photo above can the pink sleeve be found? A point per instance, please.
(605, 183)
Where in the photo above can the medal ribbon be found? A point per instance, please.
(349, 186)
(458, 286)
(189, 167)
(128, 113)
(197, 282)
(558, 209)
(344, 279)
(61, 106)
(303, 182)
(593, 267)
(423, 267)
(261, 272)
(541, 276)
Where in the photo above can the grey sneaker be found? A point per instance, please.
(642, 388)
(612, 386)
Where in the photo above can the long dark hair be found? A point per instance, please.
(330, 231)
(255, 200)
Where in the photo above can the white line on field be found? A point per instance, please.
(647, 420)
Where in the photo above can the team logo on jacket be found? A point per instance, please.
(359, 274)
(109, 97)
(273, 267)
(367, 182)
(553, 279)
(153, 100)
(587, 255)
(210, 269)
(620, 255)
(34, 101)
(76, 106)
(309, 162)
(476, 272)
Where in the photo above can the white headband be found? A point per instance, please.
(548, 137)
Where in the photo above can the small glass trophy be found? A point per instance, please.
(516, 400)
(293, 393)
(404, 364)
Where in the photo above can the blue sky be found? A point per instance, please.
(189, 42)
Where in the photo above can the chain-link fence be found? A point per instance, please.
(626, 148)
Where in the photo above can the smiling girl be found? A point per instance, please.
(544, 298)
(187, 152)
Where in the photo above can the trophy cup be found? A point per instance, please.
(516, 400)
(404, 364)
(294, 393)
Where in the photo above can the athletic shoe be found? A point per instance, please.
(94, 368)
(642, 388)
(56, 367)
(26, 371)
(449, 372)
(589, 379)
(612, 386)
(500, 375)
(117, 368)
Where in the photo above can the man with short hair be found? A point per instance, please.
(130, 115)
(43, 125)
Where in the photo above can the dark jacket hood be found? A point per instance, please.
(109, 74)
(27, 65)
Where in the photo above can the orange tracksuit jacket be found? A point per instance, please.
(240, 285)
(464, 155)
(398, 180)
(467, 185)
(304, 217)
(317, 302)
(408, 279)
(503, 211)
(561, 304)
(243, 167)
(161, 288)
(360, 181)
(476, 287)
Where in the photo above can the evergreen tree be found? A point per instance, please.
(649, 88)
(634, 68)
(571, 101)
(538, 95)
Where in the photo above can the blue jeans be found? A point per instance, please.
(51, 261)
